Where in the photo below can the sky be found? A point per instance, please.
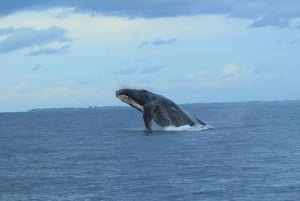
(77, 53)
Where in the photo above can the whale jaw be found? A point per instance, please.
(130, 101)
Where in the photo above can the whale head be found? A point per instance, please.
(134, 97)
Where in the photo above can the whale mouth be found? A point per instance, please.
(130, 101)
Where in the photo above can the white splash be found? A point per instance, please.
(187, 128)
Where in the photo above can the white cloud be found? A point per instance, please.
(111, 30)
(229, 74)
(20, 87)
(232, 71)
(158, 42)
(50, 51)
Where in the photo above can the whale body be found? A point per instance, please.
(158, 108)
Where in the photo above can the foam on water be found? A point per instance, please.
(187, 128)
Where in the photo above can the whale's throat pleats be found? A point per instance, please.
(131, 102)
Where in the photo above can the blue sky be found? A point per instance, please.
(77, 53)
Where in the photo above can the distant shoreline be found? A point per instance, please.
(95, 108)
(98, 108)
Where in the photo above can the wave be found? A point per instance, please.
(187, 128)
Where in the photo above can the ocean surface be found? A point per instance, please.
(253, 153)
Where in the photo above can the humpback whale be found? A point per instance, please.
(158, 108)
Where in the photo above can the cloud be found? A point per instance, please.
(276, 13)
(20, 87)
(19, 38)
(37, 67)
(281, 14)
(6, 31)
(231, 71)
(8, 7)
(158, 42)
(128, 8)
(51, 51)
(272, 21)
(250, 9)
(229, 74)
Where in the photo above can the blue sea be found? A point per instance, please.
(253, 153)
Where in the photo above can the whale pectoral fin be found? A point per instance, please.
(200, 122)
(147, 118)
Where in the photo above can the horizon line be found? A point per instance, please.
(112, 106)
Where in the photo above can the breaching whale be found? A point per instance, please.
(158, 108)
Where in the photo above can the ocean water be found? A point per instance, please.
(253, 153)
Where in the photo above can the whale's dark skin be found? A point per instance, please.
(154, 106)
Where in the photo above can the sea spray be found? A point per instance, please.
(187, 128)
